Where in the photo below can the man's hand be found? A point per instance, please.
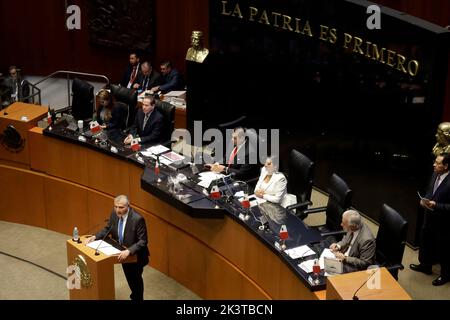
(339, 255)
(128, 139)
(123, 255)
(136, 86)
(428, 204)
(217, 167)
(88, 240)
(154, 89)
(334, 247)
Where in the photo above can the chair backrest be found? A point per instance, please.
(82, 99)
(339, 200)
(391, 237)
(129, 98)
(167, 110)
(301, 171)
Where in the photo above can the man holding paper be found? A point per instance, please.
(357, 247)
(436, 221)
(128, 228)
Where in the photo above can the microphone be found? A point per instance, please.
(96, 250)
(355, 297)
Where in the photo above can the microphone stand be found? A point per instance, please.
(96, 250)
(355, 297)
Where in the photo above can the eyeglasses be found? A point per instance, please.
(13, 73)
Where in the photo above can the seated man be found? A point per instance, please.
(239, 158)
(171, 78)
(148, 123)
(148, 78)
(357, 247)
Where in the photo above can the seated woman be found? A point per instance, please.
(272, 185)
(110, 115)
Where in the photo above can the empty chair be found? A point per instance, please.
(391, 239)
(168, 112)
(129, 98)
(82, 99)
(339, 200)
(301, 171)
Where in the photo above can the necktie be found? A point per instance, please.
(120, 230)
(145, 120)
(349, 245)
(133, 74)
(232, 155)
(144, 84)
(436, 183)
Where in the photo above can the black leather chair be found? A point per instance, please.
(129, 98)
(339, 200)
(300, 182)
(391, 239)
(82, 99)
(168, 112)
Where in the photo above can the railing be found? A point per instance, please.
(67, 73)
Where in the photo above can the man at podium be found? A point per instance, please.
(128, 228)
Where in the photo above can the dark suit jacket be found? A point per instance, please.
(118, 119)
(362, 253)
(152, 133)
(172, 81)
(127, 74)
(135, 234)
(441, 196)
(154, 79)
(242, 166)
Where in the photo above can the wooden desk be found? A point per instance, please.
(13, 116)
(343, 287)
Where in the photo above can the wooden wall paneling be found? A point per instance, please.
(66, 206)
(187, 261)
(99, 207)
(224, 281)
(107, 174)
(67, 161)
(157, 241)
(23, 193)
(291, 287)
(38, 149)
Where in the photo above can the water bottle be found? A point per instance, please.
(316, 271)
(75, 238)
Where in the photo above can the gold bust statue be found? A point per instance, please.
(197, 52)
(442, 139)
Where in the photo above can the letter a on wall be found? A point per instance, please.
(74, 20)
(374, 21)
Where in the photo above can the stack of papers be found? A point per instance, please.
(308, 265)
(207, 177)
(300, 252)
(104, 248)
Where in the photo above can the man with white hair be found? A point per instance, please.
(357, 247)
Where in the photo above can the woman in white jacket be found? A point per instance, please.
(272, 185)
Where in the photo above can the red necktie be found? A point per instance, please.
(232, 155)
(133, 74)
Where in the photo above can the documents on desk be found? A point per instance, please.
(207, 177)
(104, 248)
(308, 265)
(300, 252)
(256, 200)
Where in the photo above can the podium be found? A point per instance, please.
(343, 286)
(14, 146)
(90, 277)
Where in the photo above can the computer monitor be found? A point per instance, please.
(82, 99)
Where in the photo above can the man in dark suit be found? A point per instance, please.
(357, 247)
(128, 228)
(239, 158)
(434, 233)
(148, 123)
(148, 78)
(132, 71)
(172, 79)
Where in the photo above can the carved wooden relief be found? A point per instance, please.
(121, 24)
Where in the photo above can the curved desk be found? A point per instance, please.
(69, 185)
